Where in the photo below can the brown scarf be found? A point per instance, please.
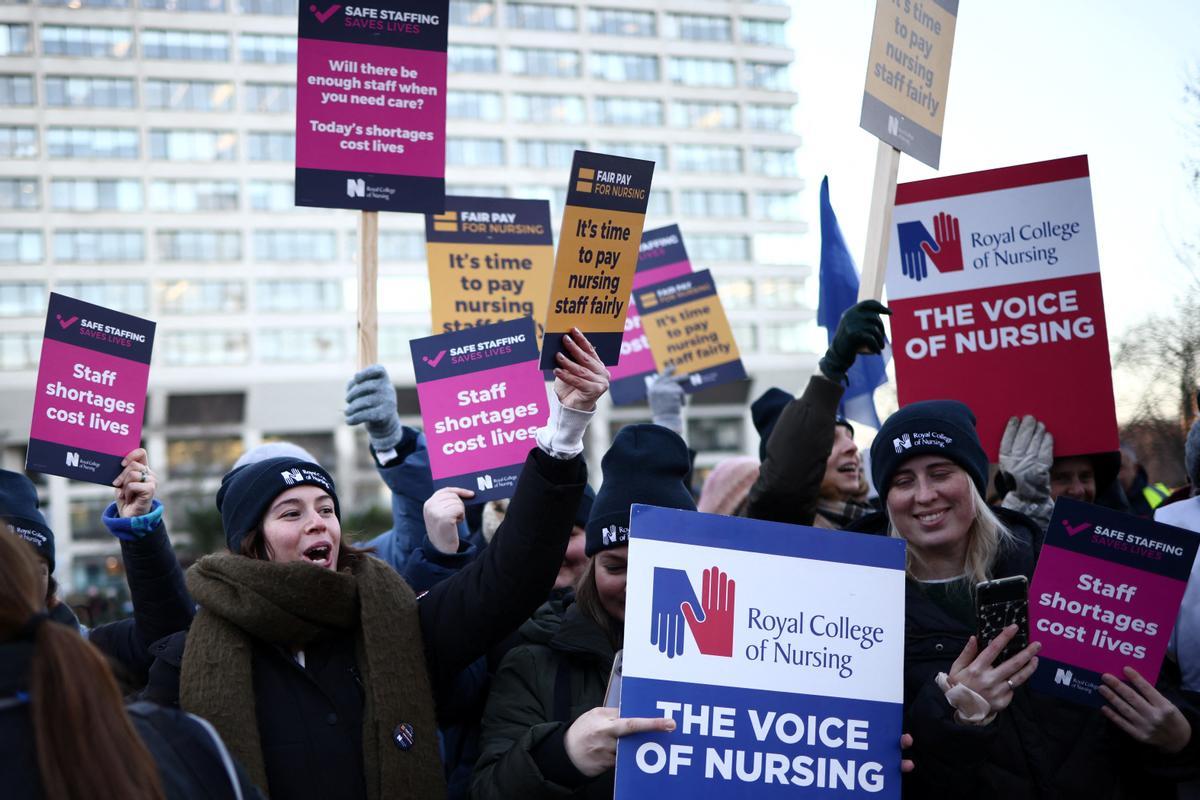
(291, 605)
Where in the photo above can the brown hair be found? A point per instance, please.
(75, 706)
(587, 597)
(254, 545)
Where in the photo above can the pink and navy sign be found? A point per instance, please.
(482, 400)
(661, 257)
(777, 649)
(996, 274)
(1105, 596)
(371, 105)
(91, 391)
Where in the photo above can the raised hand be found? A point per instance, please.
(714, 632)
(666, 398)
(371, 399)
(1142, 712)
(948, 257)
(1026, 453)
(443, 511)
(994, 683)
(136, 485)
(591, 741)
(672, 590)
(913, 239)
(580, 377)
(860, 330)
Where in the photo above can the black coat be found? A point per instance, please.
(310, 718)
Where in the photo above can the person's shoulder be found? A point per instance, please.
(1181, 514)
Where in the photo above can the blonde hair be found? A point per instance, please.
(986, 537)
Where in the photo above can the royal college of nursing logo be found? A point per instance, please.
(917, 247)
(710, 619)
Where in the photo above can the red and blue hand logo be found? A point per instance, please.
(916, 245)
(710, 619)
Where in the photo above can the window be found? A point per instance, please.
(18, 141)
(404, 294)
(722, 434)
(185, 45)
(269, 98)
(659, 204)
(393, 341)
(712, 203)
(128, 296)
(544, 154)
(271, 195)
(295, 245)
(401, 245)
(473, 13)
(274, 8)
(201, 245)
(294, 295)
(96, 194)
(647, 152)
(85, 92)
(702, 71)
(786, 293)
(97, 246)
(205, 349)
(20, 247)
(22, 300)
(778, 248)
(192, 145)
(736, 293)
(201, 297)
(623, 67)
(539, 17)
(784, 337)
(705, 247)
(82, 3)
(764, 31)
(20, 350)
(547, 108)
(621, 22)
(554, 194)
(19, 193)
(551, 63)
(202, 458)
(92, 142)
(188, 95)
(185, 5)
(776, 77)
(193, 195)
(473, 105)
(745, 334)
(475, 190)
(265, 48)
(471, 58)
(72, 40)
(768, 118)
(779, 206)
(16, 90)
(702, 115)
(697, 28)
(301, 345)
(14, 39)
(462, 151)
(773, 161)
(626, 111)
(708, 158)
(271, 146)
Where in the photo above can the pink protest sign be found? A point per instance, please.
(482, 400)
(91, 391)
(371, 106)
(1105, 596)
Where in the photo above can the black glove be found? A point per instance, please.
(859, 330)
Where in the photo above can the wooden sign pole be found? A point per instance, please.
(368, 280)
(879, 223)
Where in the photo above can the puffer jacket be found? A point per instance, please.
(542, 687)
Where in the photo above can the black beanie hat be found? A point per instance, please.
(939, 427)
(248, 491)
(646, 464)
(585, 506)
(764, 412)
(19, 509)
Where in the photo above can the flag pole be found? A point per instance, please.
(879, 223)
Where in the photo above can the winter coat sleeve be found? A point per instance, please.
(465, 615)
(946, 754)
(427, 566)
(789, 479)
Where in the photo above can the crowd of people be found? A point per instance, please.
(468, 656)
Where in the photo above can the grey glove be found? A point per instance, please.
(371, 399)
(1026, 453)
(666, 398)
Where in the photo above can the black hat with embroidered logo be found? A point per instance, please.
(646, 464)
(931, 427)
(20, 514)
(247, 493)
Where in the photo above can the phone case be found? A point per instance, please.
(994, 617)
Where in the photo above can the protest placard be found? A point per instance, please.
(1105, 596)
(490, 260)
(993, 279)
(597, 253)
(371, 105)
(686, 326)
(719, 608)
(91, 391)
(482, 400)
(904, 102)
(661, 256)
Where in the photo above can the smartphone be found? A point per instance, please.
(999, 604)
(612, 696)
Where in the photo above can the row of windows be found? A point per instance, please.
(173, 45)
(63, 91)
(275, 8)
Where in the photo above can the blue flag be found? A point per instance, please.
(839, 291)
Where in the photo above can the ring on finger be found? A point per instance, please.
(144, 476)
(1012, 687)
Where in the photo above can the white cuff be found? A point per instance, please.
(384, 456)
(969, 708)
(562, 436)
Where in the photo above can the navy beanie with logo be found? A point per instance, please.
(21, 515)
(931, 427)
(764, 412)
(247, 493)
(646, 464)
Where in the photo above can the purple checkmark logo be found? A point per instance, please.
(323, 16)
(433, 362)
(66, 323)
(1074, 529)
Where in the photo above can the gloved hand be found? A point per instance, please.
(1026, 453)
(666, 398)
(859, 330)
(371, 399)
